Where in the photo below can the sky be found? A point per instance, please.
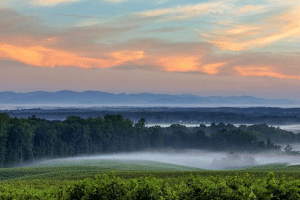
(203, 47)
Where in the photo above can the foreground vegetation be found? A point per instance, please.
(146, 180)
(239, 186)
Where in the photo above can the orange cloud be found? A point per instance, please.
(243, 30)
(179, 64)
(182, 12)
(248, 36)
(212, 69)
(26, 55)
(124, 56)
(263, 71)
(52, 2)
(45, 57)
(249, 8)
(224, 44)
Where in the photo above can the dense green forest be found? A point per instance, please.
(30, 139)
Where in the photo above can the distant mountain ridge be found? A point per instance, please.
(104, 98)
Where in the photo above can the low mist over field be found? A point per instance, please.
(190, 158)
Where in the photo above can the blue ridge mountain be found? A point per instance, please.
(105, 98)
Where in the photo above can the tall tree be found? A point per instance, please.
(4, 126)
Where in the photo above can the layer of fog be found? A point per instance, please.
(164, 125)
(295, 146)
(294, 127)
(190, 158)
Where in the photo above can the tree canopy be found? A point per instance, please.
(26, 140)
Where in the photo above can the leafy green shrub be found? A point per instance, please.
(147, 188)
(110, 186)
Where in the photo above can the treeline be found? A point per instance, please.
(253, 115)
(26, 140)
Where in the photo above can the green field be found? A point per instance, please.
(78, 169)
(61, 169)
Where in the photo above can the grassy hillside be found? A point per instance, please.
(72, 169)
(78, 169)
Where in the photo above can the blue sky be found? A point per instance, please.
(216, 47)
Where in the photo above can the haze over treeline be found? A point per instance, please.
(196, 115)
(26, 140)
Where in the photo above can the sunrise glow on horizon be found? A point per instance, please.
(207, 47)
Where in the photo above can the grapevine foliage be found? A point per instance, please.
(110, 186)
